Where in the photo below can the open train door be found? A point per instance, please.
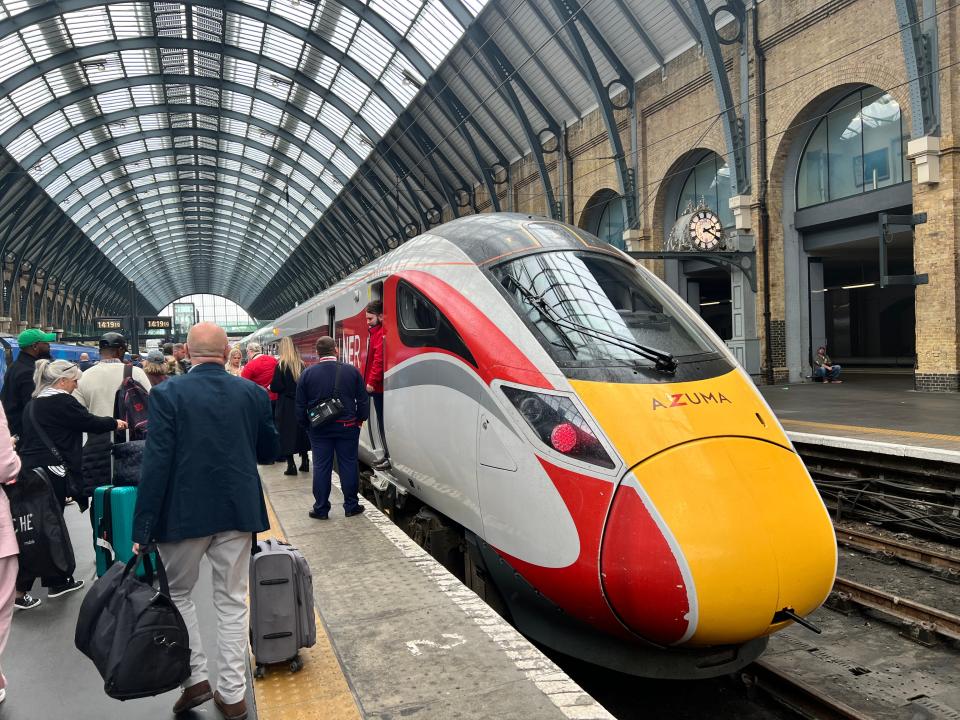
(375, 431)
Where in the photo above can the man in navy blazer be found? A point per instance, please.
(200, 495)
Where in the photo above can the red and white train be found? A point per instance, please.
(570, 438)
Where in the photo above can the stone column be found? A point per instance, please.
(935, 252)
(744, 343)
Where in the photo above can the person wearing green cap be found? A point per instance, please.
(18, 382)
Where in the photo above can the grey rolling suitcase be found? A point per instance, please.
(281, 605)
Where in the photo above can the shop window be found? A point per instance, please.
(857, 147)
(709, 179)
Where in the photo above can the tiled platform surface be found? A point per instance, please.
(870, 409)
(412, 640)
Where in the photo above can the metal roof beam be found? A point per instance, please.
(919, 39)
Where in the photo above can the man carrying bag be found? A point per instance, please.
(200, 496)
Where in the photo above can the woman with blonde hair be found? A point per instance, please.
(234, 364)
(63, 420)
(293, 438)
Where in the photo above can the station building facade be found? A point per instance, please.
(823, 94)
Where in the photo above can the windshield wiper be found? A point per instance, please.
(663, 361)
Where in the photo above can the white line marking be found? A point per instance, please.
(414, 645)
(568, 697)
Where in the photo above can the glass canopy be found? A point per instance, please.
(197, 145)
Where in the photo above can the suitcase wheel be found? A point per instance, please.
(296, 665)
(259, 672)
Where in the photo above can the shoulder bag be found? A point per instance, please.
(133, 632)
(324, 412)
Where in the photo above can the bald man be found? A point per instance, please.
(200, 495)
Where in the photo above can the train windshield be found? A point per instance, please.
(592, 309)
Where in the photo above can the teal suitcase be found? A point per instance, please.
(112, 517)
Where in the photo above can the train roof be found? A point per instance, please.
(485, 239)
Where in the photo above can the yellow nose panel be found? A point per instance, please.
(745, 515)
(751, 528)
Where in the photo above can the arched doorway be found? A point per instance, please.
(702, 177)
(605, 216)
(850, 167)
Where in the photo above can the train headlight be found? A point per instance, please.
(559, 425)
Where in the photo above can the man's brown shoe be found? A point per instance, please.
(192, 696)
(231, 711)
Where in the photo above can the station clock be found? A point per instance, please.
(706, 230)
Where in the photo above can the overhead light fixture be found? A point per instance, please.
(94, 64)
(364, 140)
(854, 287)
(278, 81)
(410, 79)
(712, 302)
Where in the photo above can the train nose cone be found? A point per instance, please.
(707, 540)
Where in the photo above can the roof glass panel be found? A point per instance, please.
(283, 142)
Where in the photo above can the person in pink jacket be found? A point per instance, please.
(9, 468)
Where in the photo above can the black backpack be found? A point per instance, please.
(42, 535)
(134, 634)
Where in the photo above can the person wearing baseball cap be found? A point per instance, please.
(18, 382)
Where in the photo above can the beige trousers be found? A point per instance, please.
(229, 556)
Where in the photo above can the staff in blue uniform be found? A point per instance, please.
(340, 437)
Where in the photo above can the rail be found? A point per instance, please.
(796, 695)
(929, 558)
(927, 618)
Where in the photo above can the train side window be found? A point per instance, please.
(421, 324)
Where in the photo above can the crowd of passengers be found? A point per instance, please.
(214, 412)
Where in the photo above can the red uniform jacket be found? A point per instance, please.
(373, 365)
(260, 370)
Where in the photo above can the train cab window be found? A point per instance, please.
(421, 324)
(615, 303)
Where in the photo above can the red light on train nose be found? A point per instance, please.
(564, 437)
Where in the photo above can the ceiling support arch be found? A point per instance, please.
(918, 37)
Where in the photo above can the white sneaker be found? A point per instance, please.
(3, 694)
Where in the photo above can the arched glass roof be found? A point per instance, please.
(197, 144)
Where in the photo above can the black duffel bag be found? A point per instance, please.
(134, 634)
(45, 546)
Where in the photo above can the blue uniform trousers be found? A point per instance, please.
(343, 441)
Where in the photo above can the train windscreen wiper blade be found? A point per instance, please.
(663, 361)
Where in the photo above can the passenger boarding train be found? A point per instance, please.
(557, 418)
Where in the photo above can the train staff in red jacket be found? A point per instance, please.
(373, 370)
(260, 368)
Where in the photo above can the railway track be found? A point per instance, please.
(943, 564)
(799, 697)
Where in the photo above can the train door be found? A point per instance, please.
(375, 431)
(431, 405)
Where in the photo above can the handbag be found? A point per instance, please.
(42, 535)
(133, 632)
(329, 409)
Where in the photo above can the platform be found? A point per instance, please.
(869, 408)
(397, 636)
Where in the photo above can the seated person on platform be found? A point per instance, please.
(824, 368)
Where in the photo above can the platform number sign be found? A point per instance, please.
(706, 230)
(158, 323)
(109, 324)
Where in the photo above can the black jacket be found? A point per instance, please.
(293, 438)
(199, 475)
(316, 384)
(64, 420)
(17, 388)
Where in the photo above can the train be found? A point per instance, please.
(570, 439)
(10, 349)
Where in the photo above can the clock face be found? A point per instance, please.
(705, 230)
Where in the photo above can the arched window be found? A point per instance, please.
(709, 178)
(605, 217)
(856, 148)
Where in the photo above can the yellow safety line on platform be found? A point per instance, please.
(319, 690)
(878, 431)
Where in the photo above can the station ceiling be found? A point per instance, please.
(263, 149)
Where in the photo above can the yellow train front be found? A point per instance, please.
(696, 529)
